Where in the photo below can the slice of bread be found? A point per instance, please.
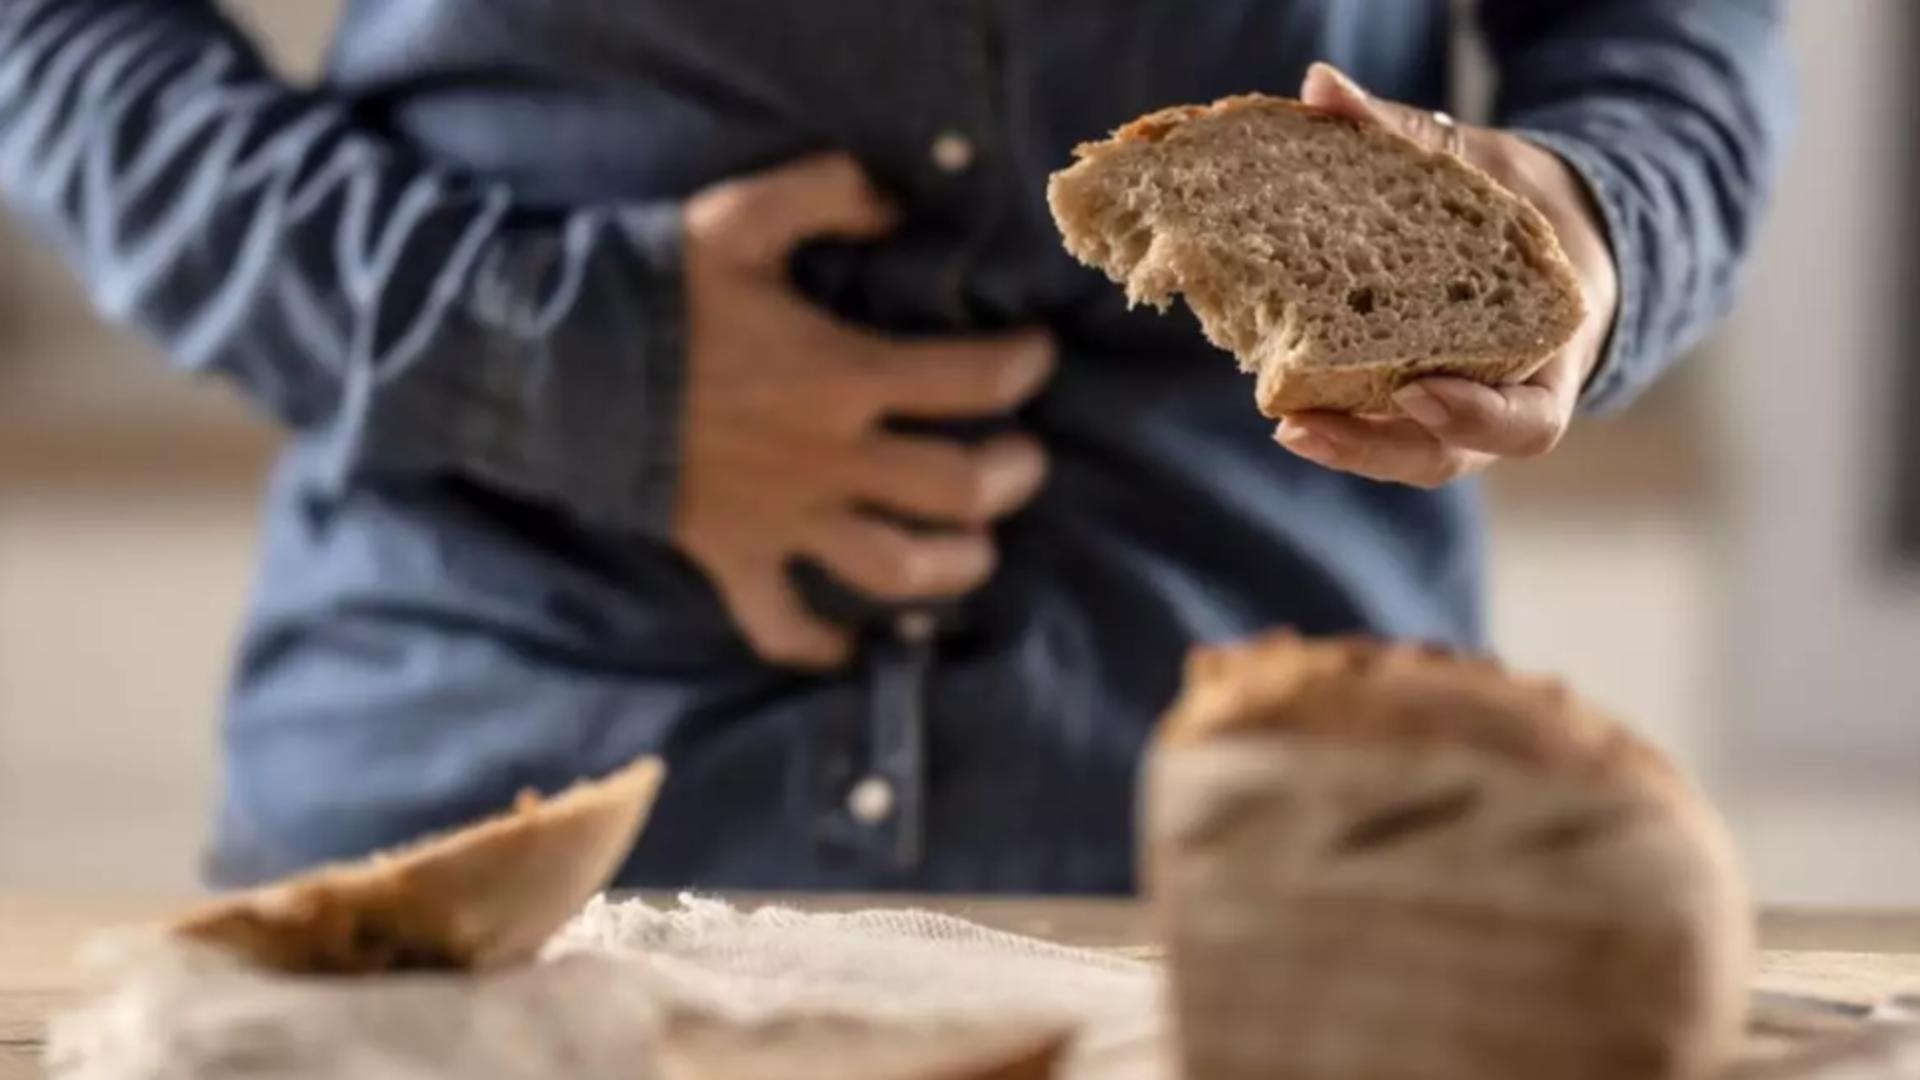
(835, 1047)
(484, 896)
(1336, 260)
(1384, 860)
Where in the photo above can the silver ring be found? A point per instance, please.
(1452, 139)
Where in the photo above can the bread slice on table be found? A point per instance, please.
(485, 896)
(696, 1046)
(1372, 860)
(1336, 260)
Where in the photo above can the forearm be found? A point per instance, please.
(407, 317)
(1673, 112)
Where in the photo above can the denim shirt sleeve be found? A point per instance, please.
(1673, 111)
(404, 317)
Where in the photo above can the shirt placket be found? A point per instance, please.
(870, 781)
(871, 787)
(891, 799)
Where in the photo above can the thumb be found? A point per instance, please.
(762, 217)
(1327, 87)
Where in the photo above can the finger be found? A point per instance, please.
(942, 380)
(1327, 87)
(937, 481)
(1565, 374)
(1526, 420)
(891, 563)
(761, 218)
(776, 622)
(1397, 451)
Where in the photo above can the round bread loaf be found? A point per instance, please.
(1377, 860)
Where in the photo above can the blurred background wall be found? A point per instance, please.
(1714, 565)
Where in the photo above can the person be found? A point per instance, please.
(708, 379)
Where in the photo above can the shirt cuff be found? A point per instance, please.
(567, 381)
(1610, 384)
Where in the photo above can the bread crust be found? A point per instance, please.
(1371, 690)
(841, 1047)
(483, 896)
(1368, 389)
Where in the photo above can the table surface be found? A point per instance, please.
(1852, 956)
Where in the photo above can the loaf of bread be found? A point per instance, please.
(1337, 260)
(484, 896)
(1372, 860)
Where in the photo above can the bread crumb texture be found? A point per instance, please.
(1334, 259)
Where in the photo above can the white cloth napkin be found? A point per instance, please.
(588, 1008)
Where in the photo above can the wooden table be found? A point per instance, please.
(1851, 956)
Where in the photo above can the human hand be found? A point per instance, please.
(785, 452)
(1452, 427)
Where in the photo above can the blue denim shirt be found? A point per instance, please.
(452, 270)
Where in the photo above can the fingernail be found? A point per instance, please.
(1346, 81)
(1303, 442)
(1420, 403)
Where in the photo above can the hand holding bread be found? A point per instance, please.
(1451, 427)
(1417, 298)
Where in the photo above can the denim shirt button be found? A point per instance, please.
(871, 800)
(952, 152)
(914, 627)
